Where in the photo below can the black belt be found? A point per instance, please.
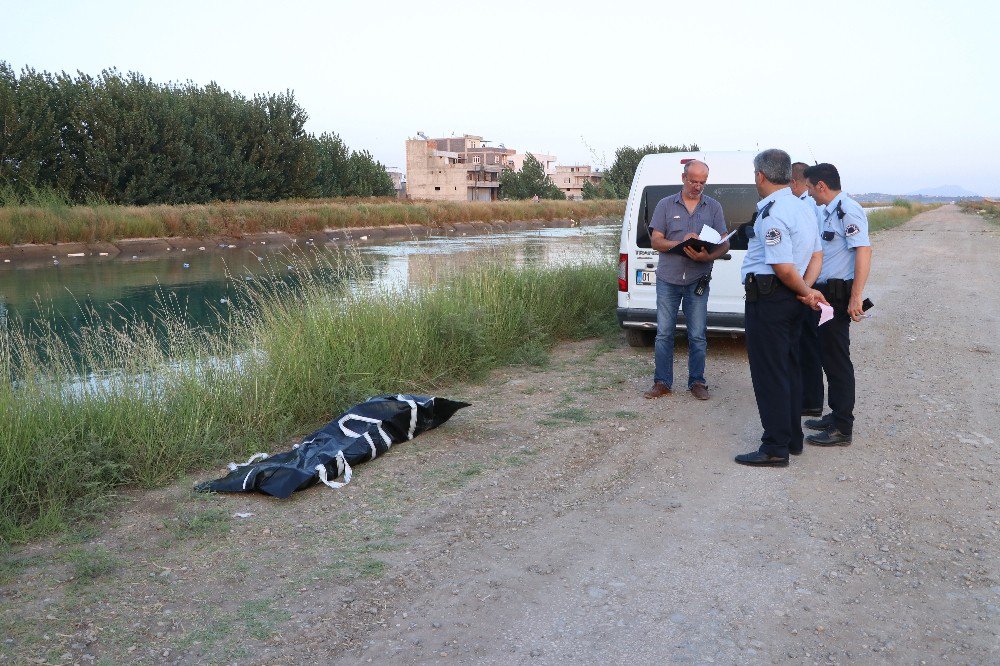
(836, 289)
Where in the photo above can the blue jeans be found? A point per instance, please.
(668, 298)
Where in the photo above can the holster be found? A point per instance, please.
(750, 285)
(759, 285)
(838, 290)
(766, 284)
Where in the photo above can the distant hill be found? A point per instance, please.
(879, 197)
(953, 191)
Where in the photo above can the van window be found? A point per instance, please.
(738, 202)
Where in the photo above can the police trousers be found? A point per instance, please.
(835, 354)
(811, 361)
(773, 328)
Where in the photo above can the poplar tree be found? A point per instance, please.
(126, 139)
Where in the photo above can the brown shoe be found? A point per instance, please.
(700, 391)
(658, 391)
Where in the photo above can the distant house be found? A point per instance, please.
(398, 182)
(454, 169)
(570, 179)
(548, 162)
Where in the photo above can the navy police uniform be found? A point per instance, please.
(809, 359)
(783, 232)
(844, 227)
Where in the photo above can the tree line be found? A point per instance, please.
(618, 177)
(532, 181)
(125, 139)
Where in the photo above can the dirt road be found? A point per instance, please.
(564, 519)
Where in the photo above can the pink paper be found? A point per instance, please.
(825, 313)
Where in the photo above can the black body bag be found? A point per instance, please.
(362, 433)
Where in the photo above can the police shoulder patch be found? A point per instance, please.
(852, 230)
(772, 236)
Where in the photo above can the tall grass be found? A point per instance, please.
(898, 214)
(988, 209)
(66, 443)
(46, 218)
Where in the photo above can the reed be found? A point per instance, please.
(172, 399)
(987, 208)
(898, 214)
(47, 218)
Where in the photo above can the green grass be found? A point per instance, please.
(902, 211)
(257, 618)
(576, 415)
(206, 522)
(261, 619)
(87, 565)
(208, 634)
(166, 409)
(11, 566)
(46, 217)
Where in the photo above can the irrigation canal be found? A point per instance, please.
(200, 285)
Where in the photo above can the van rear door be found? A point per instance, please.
(738, 204)
(726, 296)
(643, 278)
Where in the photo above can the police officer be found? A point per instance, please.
(800, 185)
(847, 258)
(783, 246)
(809, 360)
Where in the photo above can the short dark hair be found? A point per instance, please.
(826, 173)
(775, 164)
(799, 170)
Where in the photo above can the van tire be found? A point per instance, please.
(637, 337)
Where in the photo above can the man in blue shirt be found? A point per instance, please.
(783, 246)
(847, 258)
(809, 360)
(682, 280)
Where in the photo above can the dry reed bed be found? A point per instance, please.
(900, 213)
(987, 208)
(54, 222)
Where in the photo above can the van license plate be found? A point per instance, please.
(645, 277)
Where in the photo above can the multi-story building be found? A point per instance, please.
(398, 182)
(548, 162)
(570, 179)
(466, 169)
(454, 169)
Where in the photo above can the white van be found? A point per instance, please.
(731, 183)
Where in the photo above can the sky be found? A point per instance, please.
(898, 95)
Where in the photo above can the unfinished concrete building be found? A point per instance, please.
(454, 169)
(570, 179)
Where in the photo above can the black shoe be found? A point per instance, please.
(829, 437)
(820, 424)
(812, 411)
(758, 459)
(795, 452)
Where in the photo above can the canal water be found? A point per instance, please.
(200, 286)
